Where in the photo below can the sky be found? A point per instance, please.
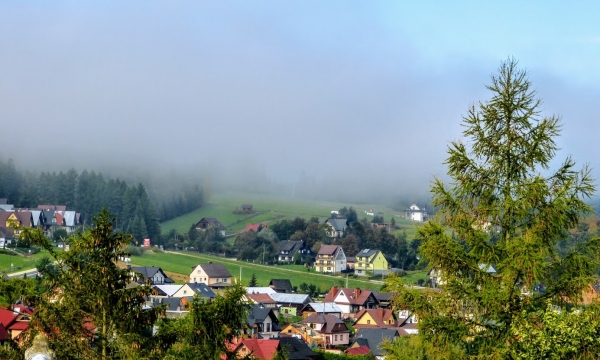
(356, 97)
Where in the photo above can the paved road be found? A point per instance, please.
(29, 273)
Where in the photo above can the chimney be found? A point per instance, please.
(356, 293)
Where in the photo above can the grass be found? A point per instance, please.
(269, 209)
(20, 262)
(182, 262)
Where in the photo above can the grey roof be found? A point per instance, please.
(6, 207)
(290, 298)
(149, 271)
(36, 217)
(258, 314)
(367, 252)
(215, 270)
(374, 337)
(297, 349)
(338, 224)
(324, 307)
(167, 290)
(202, 290)
(289, 245)
(212, 221)
(487, 268)
(172, 303)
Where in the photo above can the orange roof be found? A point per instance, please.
(255, 227)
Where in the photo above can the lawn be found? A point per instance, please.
(20, 262)
(268, 209)
(182, 263)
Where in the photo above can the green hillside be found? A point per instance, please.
(268, 209)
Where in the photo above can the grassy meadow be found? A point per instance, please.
(182, 262)
(269, 209)
(20, 262)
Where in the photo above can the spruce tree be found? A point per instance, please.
(507, 211)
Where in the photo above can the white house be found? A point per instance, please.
(414, 213)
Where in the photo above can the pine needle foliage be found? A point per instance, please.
(506, 209)
(89, 311)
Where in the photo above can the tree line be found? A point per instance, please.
(136, 212)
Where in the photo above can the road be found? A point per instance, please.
(29, 273)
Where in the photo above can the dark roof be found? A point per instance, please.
(281, 285)
(331, 323)
(374, 337)
(215, 270)
(337, 224)
(289, 245)
(52, 207)
(202, 290)
(258, 314)
(296, 348)
(367, 253)
(246, 206)
(149, 271)
(206, 221)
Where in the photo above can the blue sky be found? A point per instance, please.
(364, 93)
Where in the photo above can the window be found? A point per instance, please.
(194, 279)
(224, 280)
(199, 271)
(184, 292)
(329, 268)
(368, 322)
(335, 338)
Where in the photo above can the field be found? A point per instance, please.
(268, 209)
(20, 262)
(182, 263)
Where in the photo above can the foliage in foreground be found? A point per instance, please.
(506, 210)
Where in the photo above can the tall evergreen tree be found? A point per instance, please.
(89, 311)
(507, 211)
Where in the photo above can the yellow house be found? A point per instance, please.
(305, 332)
(16, 220)
(370, 262)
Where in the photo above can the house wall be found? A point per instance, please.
(339, 339)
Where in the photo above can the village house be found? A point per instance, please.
(290, 304)
(336, 228)
(323, 308)
(206, 223)
(288, 249)
(262, 322)
(414, 213)
(216, 276)
(333, 330)
(281, 285)
(330, 259)
(370, 262)
(351, 301)
(375, 318)
(155, 275)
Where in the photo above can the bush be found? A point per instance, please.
(135, 250)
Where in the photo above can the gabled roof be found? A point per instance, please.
(281, 285)
(214, 270)
(374, 337)
(260, 348)
(3, 333)
(149, 271)
(322, 307)
(355, 296)
(380, 316)
(337, 224)
(330, 323)
(258, 314)
(261, 298)
(296, 348)
(328, 249)
(259, 290)
(289, 245)
(202, 290)
(24, 217)
(255, 227)
(291, 298)
(167, 290)
(70, 218)
(367, 252)
(204, 222)
(361, 350)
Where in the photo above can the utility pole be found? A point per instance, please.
(263, 254)
(346, 280)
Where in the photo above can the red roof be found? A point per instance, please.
(7, 317)
(19, 325)
(255, 227)
(262, 298)
(3, 333)
(261, 348)
(361, 350)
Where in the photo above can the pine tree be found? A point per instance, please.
(252, 282)
(90, 311)
(507, 211)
